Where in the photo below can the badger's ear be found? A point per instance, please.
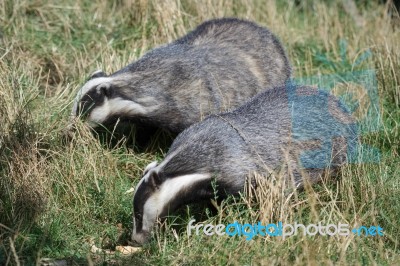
(104, 89)
(97, 74)
(149, 166)
(155, 179)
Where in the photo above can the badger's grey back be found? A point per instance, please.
(297, 118)
(216, 67)
(255, 46)
(295, 125)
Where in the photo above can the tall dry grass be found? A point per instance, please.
(55, 199)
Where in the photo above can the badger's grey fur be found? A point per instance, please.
(218, 66)
(267, 133)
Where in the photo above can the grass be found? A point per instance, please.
(56, 199)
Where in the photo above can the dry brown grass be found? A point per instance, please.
(55, 198)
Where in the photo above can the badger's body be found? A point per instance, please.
(291, 129)
(216, 67)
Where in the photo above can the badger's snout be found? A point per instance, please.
(68, 132)
(140, 238)
(72, 127)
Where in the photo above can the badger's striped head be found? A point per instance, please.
(93, 94)
(158, 193)
(104, 98)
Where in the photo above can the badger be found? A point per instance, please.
(303, 130)
(216, 67)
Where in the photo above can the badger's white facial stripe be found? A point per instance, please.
(107, 81)
(157, 202)
(116, 106)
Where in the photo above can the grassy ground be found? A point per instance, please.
(57, 199)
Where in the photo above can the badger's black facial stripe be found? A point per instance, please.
(142, 194)
(89, 101)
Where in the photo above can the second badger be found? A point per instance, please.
(216, 67)
(295, 129)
